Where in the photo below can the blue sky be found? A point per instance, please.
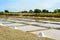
(19, 5)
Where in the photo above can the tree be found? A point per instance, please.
(24, 12)
(37, 11)
(57, 11)
(30, 11)
(45, 11)
(6, 11)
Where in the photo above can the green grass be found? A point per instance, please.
(49, 16)
(32, 14)
(7, 33)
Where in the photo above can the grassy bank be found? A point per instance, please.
(32, 14)
(42, 14)
(38, 16)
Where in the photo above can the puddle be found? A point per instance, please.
(2, 19)
(49, 25)
(29, 28)
(44, 24)
(32, 23)
(12, 25)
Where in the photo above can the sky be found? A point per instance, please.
(20, 5)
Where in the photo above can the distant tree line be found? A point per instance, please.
(41, 11)
(36, 11)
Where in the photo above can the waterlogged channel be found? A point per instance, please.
(40, 23)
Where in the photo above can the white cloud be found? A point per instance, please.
(48, 3)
